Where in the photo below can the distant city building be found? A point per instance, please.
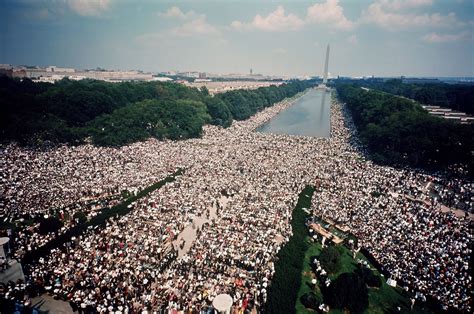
(202, 80)
(414, 80)
(13, 72)
(202, 75)
(48, 79)
(216, 87)
(53, 68)
(52, 73)
(19, 73)
(162, 79)
(238, 76)
(376, 79)
(190, 74)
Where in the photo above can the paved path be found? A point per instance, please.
(189, 233)
(48, 304)
(12, 273)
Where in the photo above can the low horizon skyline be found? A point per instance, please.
(230, 73)
(382, 38)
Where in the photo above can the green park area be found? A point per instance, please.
(356, 285)
(116, 114)
(381, 298)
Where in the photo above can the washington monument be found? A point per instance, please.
(326, 64)
(325, 74)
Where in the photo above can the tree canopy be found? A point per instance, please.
(455, 96)
(114, 114)
(399, 131)
(310, 300)
(369, 277)
(348, 291)
(330, 259)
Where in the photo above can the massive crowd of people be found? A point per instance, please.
(132, 264)
(65, 181)
(397, 218)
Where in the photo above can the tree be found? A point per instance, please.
(330, 259)
(371, 279)
(115, 114)
(219, 112)
(204, 91)
(348, 291)
(310, 300)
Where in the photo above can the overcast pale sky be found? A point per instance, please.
(367, 37)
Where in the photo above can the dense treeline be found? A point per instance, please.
(113, 114)
(455, 96)
(244, 103)
(398, 131)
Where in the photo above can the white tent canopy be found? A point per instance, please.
(222, 303)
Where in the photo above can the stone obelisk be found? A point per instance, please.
(326, 64)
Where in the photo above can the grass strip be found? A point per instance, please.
(287, 279)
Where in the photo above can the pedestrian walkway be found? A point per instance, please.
(189, 234)
(12, 273)
(47, 304)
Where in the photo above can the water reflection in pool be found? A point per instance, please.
(309, 116)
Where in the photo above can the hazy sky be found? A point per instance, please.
(367, 37)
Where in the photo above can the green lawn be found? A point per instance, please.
(290, 260)
(314, 249)
(381, 300)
